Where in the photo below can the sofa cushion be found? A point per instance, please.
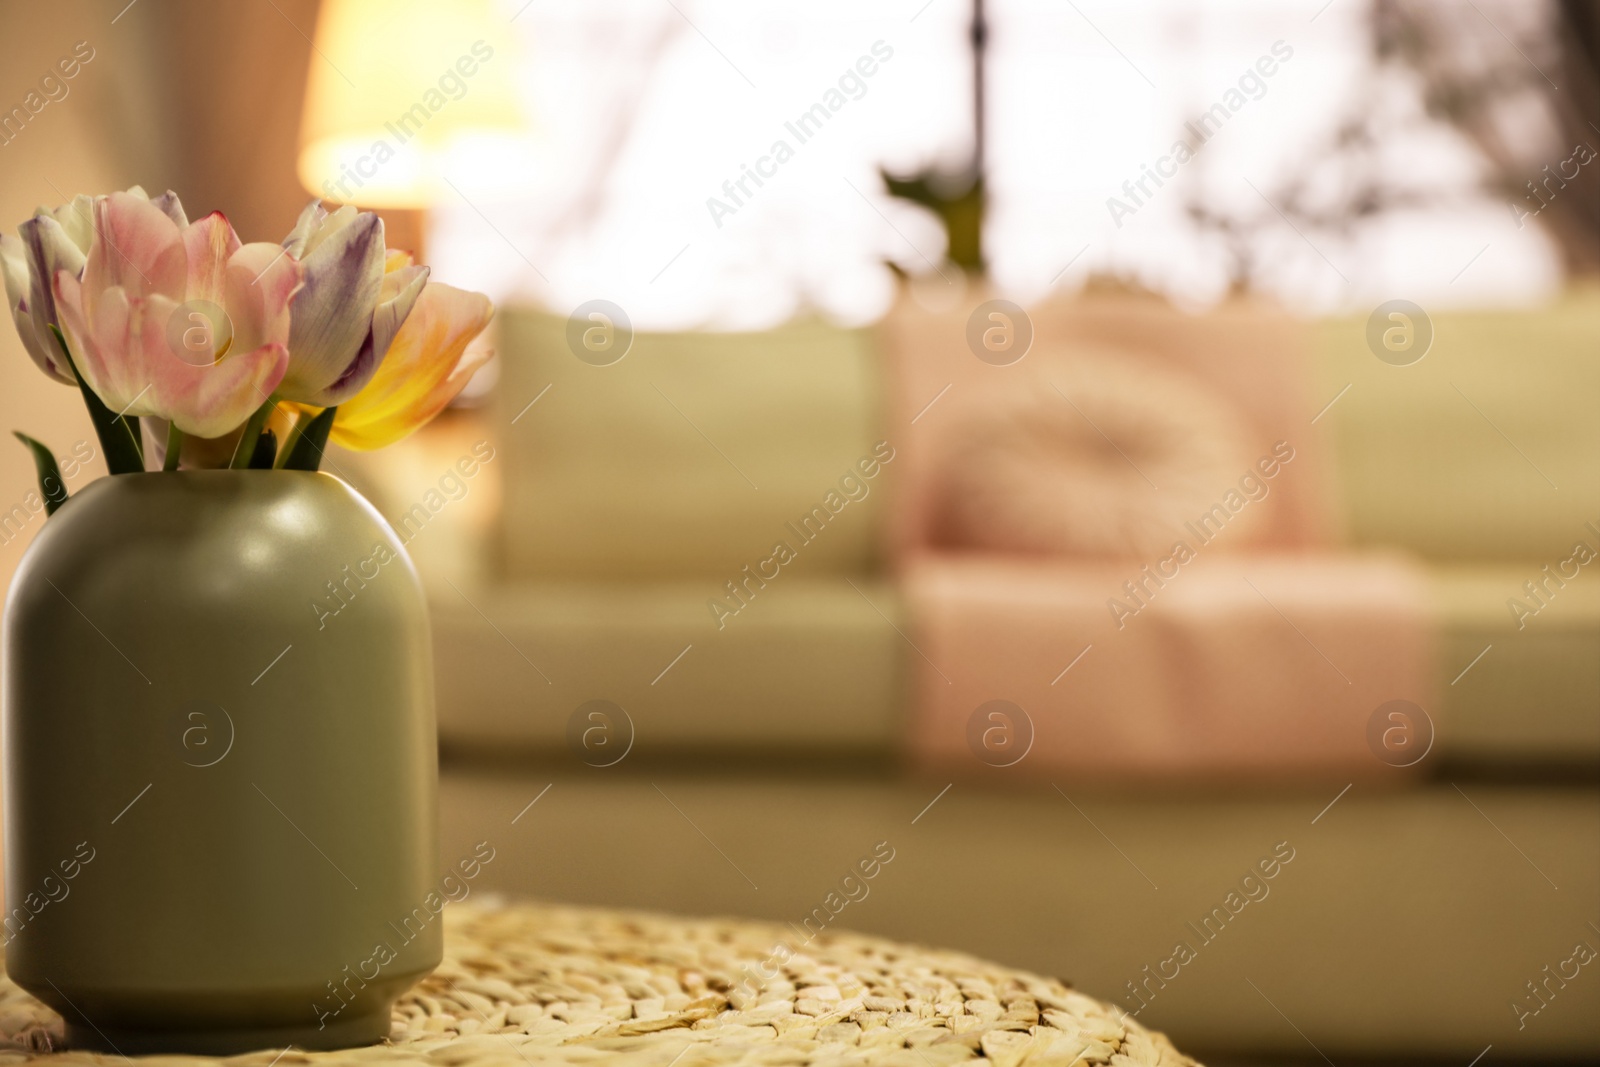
(688, 456)
(1487, 448)
(1025, 468)
(1243, 363)
(806, 667)
(1519, 685)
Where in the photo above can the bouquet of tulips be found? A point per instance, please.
(238, 355)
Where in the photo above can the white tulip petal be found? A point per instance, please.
(48, 249)
(311, 217)
(18, 280)
(332, 315)
(169, 203)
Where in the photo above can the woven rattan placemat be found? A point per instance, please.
(528, 985)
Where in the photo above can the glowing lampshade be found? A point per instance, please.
(397, 87)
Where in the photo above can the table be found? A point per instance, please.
(529, 985)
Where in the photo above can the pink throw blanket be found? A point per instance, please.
(1150, 484)
(1271, 665)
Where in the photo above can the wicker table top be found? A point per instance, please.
(530, 985)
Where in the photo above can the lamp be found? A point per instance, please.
(397, 88)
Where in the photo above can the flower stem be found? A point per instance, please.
(246, 448)
(293, 439)
(174, 447)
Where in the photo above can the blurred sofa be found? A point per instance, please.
(634, 497)
(1483, 459)
(764, 743)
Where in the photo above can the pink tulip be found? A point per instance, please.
(54, 239)
(179, 322)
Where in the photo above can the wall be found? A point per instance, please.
(201, 98)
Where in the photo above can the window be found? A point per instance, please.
(716, 163)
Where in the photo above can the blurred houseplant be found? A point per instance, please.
(218, 800)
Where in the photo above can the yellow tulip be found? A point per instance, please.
(426, 366)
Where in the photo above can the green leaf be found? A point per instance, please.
(305, 446)
(51, 487)
(119, 435)
(266, 451)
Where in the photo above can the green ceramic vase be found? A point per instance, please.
(220, 766)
